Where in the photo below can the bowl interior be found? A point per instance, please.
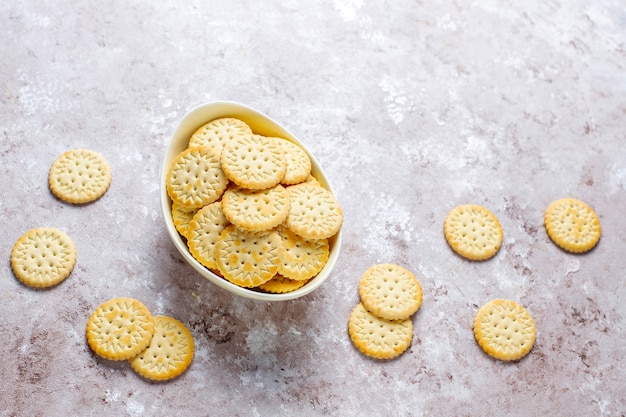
(260, 124)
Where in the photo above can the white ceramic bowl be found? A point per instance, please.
(262, 125)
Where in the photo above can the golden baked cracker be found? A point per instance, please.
(79, 176)
(169, 353)
(473, 232)
(315, 213)
(195, 177)
(572, 225)
(390, 291)
(204, 231)
(378, 337)
(280, 285)
(218, 132)
(119, 328)
(248, 259)
(302, 258)
(43, 257)
(254, 162)
(504, 329)
(298, 162)
(181, 216)
(311, 180)
(256, 210)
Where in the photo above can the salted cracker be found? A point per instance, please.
(302, 258)
(390, 291)
(504, 329)
(280, 285)
(43, 257)
(572, 225)
(248, 259)
(315, 213)
(169, 353)
(298, 162)
(204, 231)
(195, 177)
(120, 328)
(79, 176)
(181, 216)
(218, 132)
(256, 210)
(378, 337)
(254, 162)
(473, 232)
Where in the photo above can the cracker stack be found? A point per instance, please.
(250, 209)
(380, 326)
(156, 347)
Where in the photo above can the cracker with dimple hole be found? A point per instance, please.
(504, 330)
(254, 162)
(378, 337)
(298, 162)
(302, 258)
(218, 132)
(181, 216)
(315, 213)
(120, 328)
(390, 291)
(79, 176)
(280, 284)
(43, 257)
(195, 177)
(248, 259)
(572, 225)
(473, 232)
(256, 210)
(204, 231)
(169, 353)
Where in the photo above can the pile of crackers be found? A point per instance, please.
(249, 208)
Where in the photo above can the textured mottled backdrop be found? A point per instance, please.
(412, 107)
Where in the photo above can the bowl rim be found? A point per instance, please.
(262, 124)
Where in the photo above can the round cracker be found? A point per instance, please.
(181, 216)
(256, 210)
(504, 330)
(572, 225)
(79, 176)
(390, 291)
(280, 284)
(254, 162)
(195, 177)
(377, 337)
(473, 232)
(302, 258)
(169, 353)
(315, 212)
(43, 257)
(248, 259)
(298, 162)
(119, 328)
(204, 231)
(218, 132)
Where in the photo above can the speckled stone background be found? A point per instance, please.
(412, 107)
